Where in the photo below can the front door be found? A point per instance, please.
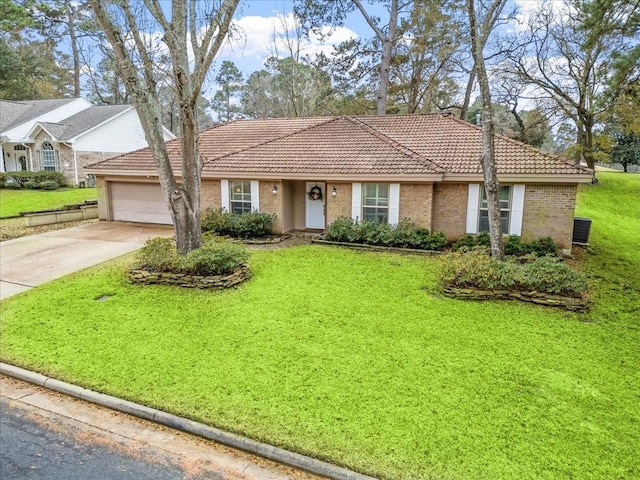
(314, 207)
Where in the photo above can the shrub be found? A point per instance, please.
(213, 258)
(48, 185)
(466, 242)
(246, 225)
(159, 254)
(542, 246)
(341, 230)
(551, 275)
(22, 177)
(512, 246)
(31, 185)
(476, 269)
(403, 235)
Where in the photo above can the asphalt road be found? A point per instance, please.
(33, 450)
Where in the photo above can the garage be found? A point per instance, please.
(138, 202)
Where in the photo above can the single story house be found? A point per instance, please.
(310, 171)
(66, 135)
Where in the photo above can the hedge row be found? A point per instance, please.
(403, 235)
(23, 179)
(513, 246)
(548, 274)
(245, 225)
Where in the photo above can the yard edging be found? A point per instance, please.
(378, 248)
(311, 465)
(210, 282)
(568, 303)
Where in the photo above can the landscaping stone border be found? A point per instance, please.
(568, 303)
(265, 240)
(379, 248)
(211, 282)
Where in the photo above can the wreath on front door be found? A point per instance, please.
(315, 193)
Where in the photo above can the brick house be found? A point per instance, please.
(66, 135)
(310, 171)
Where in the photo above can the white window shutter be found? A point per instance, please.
(394, 203)
(356, 201)
(517, 208)
(224, 195)
(473, 207)
(255, 196)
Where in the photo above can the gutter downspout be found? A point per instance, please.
(30, 155)
(2, 169)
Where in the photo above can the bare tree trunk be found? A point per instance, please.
(74, 47)
(385, 68)
(467, 94)
(491, 183)
(138, 69)
(387, 41)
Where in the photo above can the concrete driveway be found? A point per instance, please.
(30, 261)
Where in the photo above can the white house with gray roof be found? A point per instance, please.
(66, 135)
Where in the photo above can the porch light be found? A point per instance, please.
(334, 192)
(275, 189)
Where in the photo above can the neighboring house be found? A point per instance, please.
(385, 168)
(66, 135)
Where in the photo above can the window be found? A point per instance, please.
(240, 196)
(505, 210)
(48, 157)
(375, 202)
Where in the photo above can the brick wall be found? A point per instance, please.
(270, 203)
(549, 212)
(340, 205)
(416, 202)
(450, 209)
(210, 195)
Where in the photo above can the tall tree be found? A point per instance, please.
(230, 83)
(287, 88)
(430, 37)
(569, 65)
(31, 65)
(481, 24)
(192, 33)
(316, 13)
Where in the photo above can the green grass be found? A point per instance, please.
(354, 358)
(12, 202)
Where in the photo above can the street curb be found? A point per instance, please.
(311, 465)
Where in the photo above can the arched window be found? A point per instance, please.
(48, 156)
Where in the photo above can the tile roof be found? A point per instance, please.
(350, 145)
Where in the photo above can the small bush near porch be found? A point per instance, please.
(245, 225)
(404, 235)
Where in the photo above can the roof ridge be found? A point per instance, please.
(394, 143)
(271, 140)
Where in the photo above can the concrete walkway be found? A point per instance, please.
(27, 262)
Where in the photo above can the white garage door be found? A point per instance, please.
(138, 202)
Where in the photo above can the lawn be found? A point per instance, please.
(12, 202)
(354, 358)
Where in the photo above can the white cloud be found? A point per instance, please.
(253, 40)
